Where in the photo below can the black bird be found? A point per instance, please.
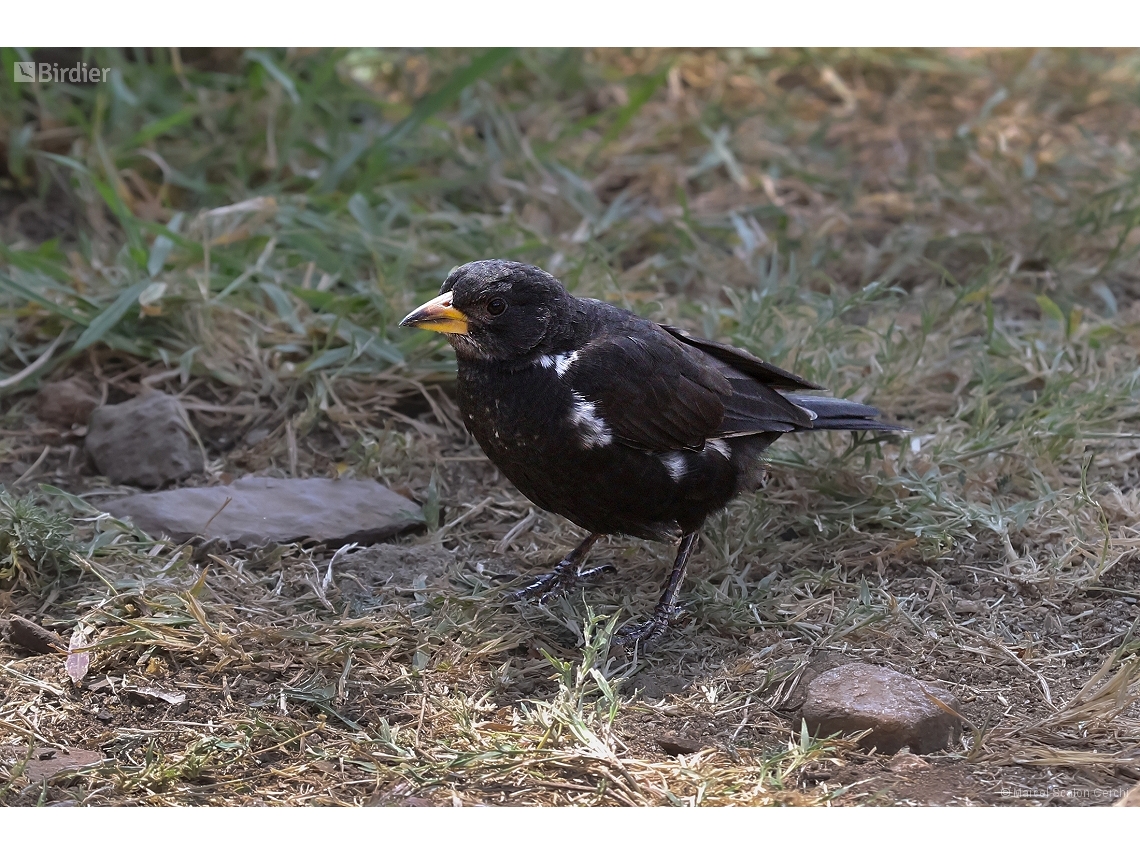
(619, 424)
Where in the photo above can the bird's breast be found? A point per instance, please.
(516, 417)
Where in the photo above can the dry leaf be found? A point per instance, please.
(78, 661)
(177, 700)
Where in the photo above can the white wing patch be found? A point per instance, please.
(594, 432)
(563, 361)
(560, 362)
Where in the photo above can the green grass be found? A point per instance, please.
(33, 543)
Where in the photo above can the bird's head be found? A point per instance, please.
(494, 309)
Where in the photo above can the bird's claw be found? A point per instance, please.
(646, 634)
(557, 583)
(539, 587)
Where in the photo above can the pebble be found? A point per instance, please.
(893, 706)
(675, 744)
(65, 402)
(144, 441)
(49, 763)
(31, 636)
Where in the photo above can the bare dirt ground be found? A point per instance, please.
(948, 235)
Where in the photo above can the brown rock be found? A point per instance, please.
(896, 708)
(794, 700)
(66, 402)
(31, 636)
(675, 744)
(254, 511)
(48, 763)
(144, 441)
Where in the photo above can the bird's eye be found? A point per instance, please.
(496, 305)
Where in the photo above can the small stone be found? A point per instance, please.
(51, 762)
(65, 402)
(896, 708)
(31, 636)
(144, 441)
(674, 744)
(254, 511)
(904, 761)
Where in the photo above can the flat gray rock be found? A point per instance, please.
(273, 510)
(896, 708)
(144, 441)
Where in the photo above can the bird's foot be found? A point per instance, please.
(560, 581)
(646, 634)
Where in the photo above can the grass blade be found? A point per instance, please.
(106, 320)
(28, 294)
(480, 67)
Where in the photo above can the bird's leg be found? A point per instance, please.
(564, 577)
(653, 629)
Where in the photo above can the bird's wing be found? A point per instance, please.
(754, 404)
(651, 391)
(744, 362)
(660, 389)
(755, 407)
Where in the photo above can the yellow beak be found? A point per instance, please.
(438, 315)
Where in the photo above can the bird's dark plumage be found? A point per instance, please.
(619, 424)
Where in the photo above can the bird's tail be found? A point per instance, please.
(838, 414)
